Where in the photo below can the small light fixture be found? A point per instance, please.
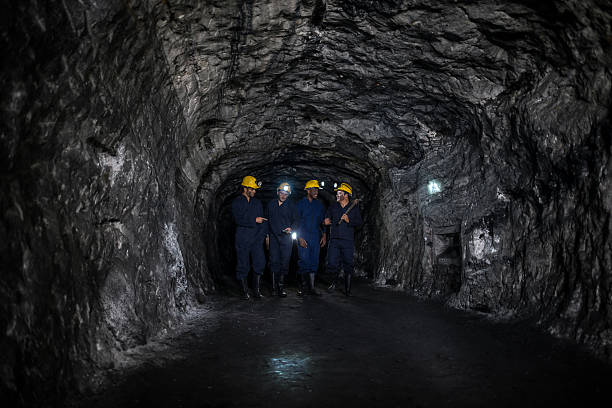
(434, 187)
(294, 235)
(335, 185)
(322, 184)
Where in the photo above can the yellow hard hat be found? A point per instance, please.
(249, 181)
(312, 184)
(345, 187)
(284, 187)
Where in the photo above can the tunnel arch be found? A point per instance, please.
(295, 164)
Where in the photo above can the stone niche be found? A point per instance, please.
(445, 245)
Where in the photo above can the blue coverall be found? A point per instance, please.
(310, 216)
(249, 236)
(342, 241)
(281, 217)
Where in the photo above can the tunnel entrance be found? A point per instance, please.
(446, 259)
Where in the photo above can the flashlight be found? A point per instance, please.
(294, 235)
(286, 188)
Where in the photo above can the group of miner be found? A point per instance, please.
(282, 222)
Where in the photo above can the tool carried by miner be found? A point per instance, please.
(353, 204)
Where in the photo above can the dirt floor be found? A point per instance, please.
(378, 348)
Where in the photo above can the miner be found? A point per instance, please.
(282, 223)
(311, 213)
(250, 234)
(343, 217)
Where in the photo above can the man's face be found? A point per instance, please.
(282, 196)
(340, 195)
(250, 192)
(312, 192)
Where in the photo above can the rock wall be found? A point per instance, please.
(92, 261)
(528, 197)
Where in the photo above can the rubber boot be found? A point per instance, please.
(347, 284)
(301, 291)
(257, 294)
(274, 284)
(311, 287)
(245, 289)
(281, 286)
(332, 287)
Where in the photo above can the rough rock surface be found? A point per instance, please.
(126, 127)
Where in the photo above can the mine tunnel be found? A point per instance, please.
(475, 133)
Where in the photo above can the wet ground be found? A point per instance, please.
(378, 348)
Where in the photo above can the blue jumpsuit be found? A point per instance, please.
(280, 217)
(342, 242)
(249, 236)
(310, 215)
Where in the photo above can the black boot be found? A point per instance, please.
(332, 287)
(301, 291)
(274, 284)
(281, 286)
(245, 289)
(311, 287)
(347, 284)
(257, 294)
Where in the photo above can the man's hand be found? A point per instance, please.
(287, 230)
(259, 220)
(323, 240)
(327, 221)
(268, 242)
(344, 218)
(303, 242)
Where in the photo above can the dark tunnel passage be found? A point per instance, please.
(476, 134)
(295, 167)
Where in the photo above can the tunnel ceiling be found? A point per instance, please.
(384, 82)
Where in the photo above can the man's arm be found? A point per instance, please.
(260, 213)
(267, 212)
(355, 217)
